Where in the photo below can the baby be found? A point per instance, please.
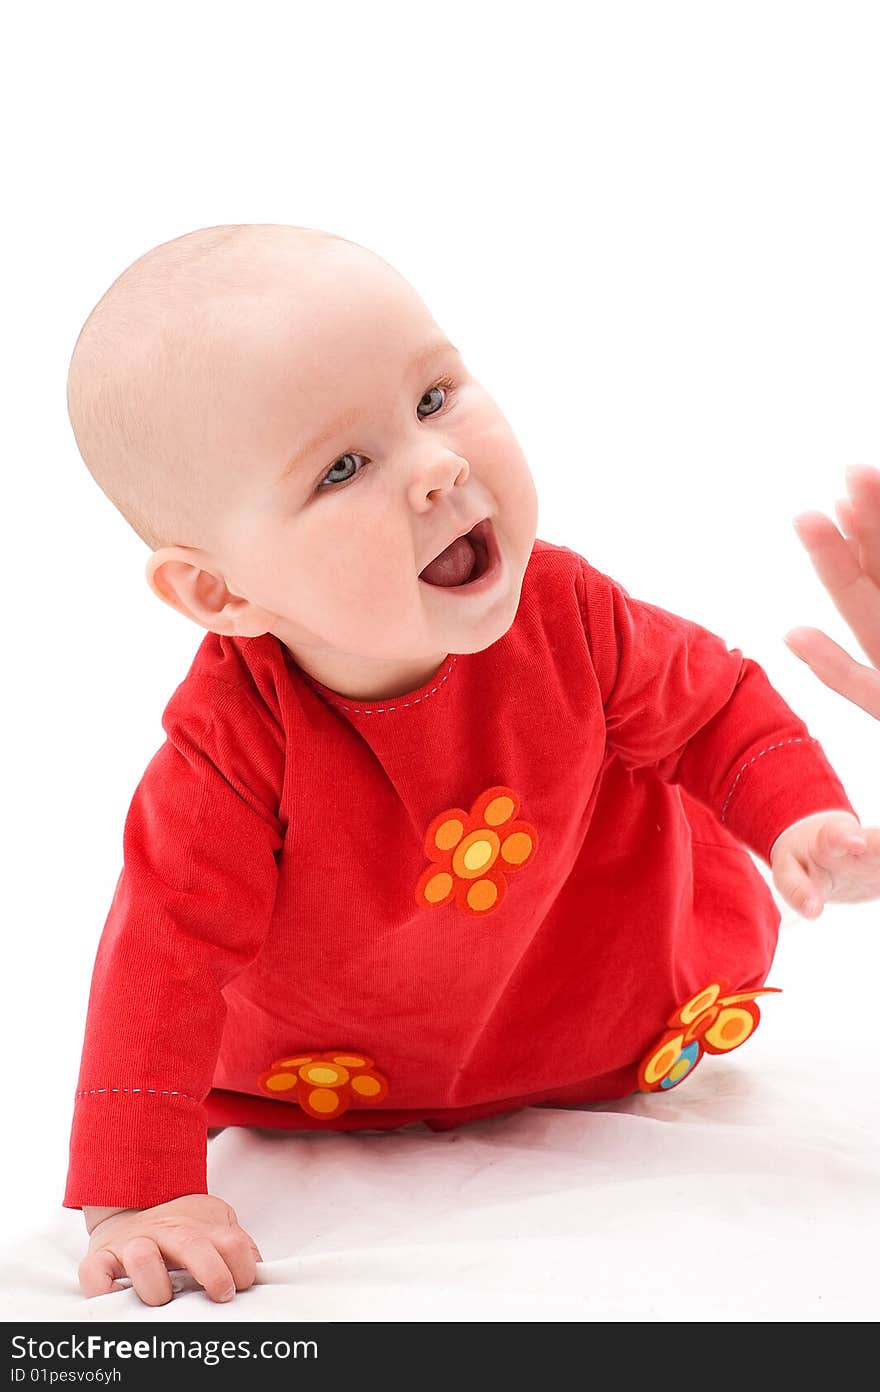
(445, 823)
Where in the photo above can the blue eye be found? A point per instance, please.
(428, 398)
(440, 389)
(341, 464)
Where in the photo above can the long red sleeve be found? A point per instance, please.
(190, 910)
(486, 893)
(678, 700)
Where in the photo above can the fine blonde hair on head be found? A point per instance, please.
(137, 349)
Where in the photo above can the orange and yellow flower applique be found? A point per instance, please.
(472, 853)
(709, 1022)
(325, 1085)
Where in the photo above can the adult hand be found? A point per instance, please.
(847, 562)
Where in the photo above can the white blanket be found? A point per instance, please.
(750, 1192)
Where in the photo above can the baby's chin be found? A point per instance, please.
(470, 647)
(475, 633)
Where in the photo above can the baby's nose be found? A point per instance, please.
(437, 471)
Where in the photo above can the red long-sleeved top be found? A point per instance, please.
(488, 893)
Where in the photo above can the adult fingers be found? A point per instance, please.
(853, 591)
(846, 521)
(836, 669)
(832, 559)
(844, 509)
(863, 485)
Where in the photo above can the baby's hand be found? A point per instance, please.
(198, 1233)
(826, 857)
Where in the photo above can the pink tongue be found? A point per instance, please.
(452, 566)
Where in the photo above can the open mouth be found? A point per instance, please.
(466, 561)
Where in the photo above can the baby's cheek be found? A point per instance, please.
(518, 501)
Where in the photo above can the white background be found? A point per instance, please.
(652, 229)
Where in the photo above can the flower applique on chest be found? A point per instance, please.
(471, 854)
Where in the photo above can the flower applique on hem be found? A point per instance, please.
(710, 1022)
(325, 1085)
(472, 853)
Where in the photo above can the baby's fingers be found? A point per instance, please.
(836, 840)
(149, 1276)
(241, 1256)
(201, 1258)
(798, 889)
(147, 1264)
(97, 1273)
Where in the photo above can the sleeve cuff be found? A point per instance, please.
(135, 1148)
(776, 786)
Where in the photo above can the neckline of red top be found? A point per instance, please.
(389, 704)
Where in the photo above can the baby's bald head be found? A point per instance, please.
(279, 417)
(152, 356)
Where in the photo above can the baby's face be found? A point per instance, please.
(356, 447)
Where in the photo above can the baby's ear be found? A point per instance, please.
(181, 578)
(178, 576)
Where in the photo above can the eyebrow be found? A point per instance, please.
(346, 421)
